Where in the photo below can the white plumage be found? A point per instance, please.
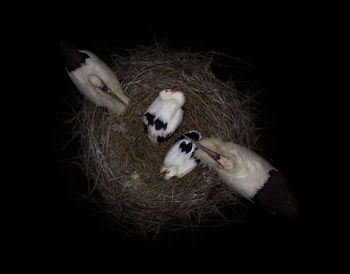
(248, 174)
(241, 169)
(179, 159)
(164, 115)
(94, 79)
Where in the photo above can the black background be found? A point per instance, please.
(280, 43)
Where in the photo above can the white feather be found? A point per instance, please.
(180, 162)
(168, 109)
(249, 171)
(94, 65)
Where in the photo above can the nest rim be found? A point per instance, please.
(196, 200)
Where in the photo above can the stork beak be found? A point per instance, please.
(165, 171)
(212, 154)
(172, 90)
(175, 89)
(98, 83)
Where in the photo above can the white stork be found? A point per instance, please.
(248, 174)
(94, 78)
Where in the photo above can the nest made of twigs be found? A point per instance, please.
(123, 165)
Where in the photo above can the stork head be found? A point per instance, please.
(168, 172)
(208, 152)
(173, 94)
(98, 83)
(72, 56)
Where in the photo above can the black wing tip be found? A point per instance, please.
(195, 159)
(185, 147)
(194, 135)
(163, 138)
(71, 55)
(150, 118)
(276, 196)
(159, 124)
(160, 139)
(145, 127)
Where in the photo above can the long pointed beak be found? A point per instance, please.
(107, 90)
(165, 172)
(97, 82)
(212, 154)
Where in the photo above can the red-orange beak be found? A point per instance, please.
(166, 171)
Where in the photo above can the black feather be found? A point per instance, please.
(145, 127)
(150, 118)
(160, 139)
(276, 196)
(72, 56)
(163, 138)
(197, 160)
(193, 135)
(160, 125)
(185, 147)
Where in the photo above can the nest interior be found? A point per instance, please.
(123, 165)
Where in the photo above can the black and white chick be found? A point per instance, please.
(180, 159)
(164, 115)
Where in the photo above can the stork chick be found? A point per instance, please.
(94, 78)
(248, 174)
(164, 115)
(180, 160)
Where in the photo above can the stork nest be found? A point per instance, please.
(123, 165)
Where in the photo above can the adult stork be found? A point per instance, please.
(94, 78)
(248, 174)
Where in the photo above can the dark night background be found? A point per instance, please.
(280, 45)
